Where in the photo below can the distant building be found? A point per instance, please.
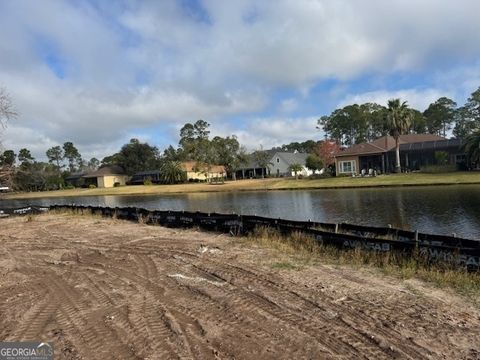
(416, 150)
(139, 178)
(278, 165)
(106, 177)
(75, 179)
(281, 162)
(196, 171)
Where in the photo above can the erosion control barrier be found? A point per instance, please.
(433, 248)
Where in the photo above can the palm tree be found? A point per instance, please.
(172, 172)
(398, 122)
(472, 147)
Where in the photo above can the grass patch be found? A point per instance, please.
(297, 251)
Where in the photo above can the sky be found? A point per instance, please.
(99, 73)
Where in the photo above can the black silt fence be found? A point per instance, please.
(435, 248)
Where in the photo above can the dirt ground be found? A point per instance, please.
(107, 289)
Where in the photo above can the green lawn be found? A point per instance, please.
(412, 179)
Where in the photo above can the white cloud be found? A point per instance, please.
(417, 99)
(268, 132)
(134, 65)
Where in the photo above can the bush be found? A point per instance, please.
(117, 184)
(92, 186)
(441, 157)
(325, 175)
(147, 182)
(69, 187)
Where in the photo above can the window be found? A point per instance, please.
(347, 166)
(278, 160)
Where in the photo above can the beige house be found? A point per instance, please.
(196, 171)
(106, 177)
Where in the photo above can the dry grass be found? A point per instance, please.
(297, 251)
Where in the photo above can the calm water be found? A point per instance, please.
(439, 210)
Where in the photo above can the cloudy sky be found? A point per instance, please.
(101, 72)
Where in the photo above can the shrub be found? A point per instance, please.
(441, 157)
(69, 187)
(147, 181)
(117, 184)
(438, 169)
(92, 186)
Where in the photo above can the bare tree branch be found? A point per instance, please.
(7, 110)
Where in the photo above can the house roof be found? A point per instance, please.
(106, 171)
(75, 176)
(292, 157)
(387, 143)
(193, 166)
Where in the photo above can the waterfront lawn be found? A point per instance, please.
(411, 179)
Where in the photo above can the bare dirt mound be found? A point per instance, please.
(105, 289)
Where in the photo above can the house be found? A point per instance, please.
(106, 177)
(281, 162)
(139, 178)
(75, 179)
(416, 150)
(199, 172)
(251, 170)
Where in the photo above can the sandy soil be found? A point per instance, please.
(106, 289)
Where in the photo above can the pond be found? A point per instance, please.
(434, 209)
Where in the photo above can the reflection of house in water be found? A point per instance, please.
(107, 176)
(416, 150)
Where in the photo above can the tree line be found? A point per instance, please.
(357, 123)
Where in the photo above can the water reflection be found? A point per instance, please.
(442, 210)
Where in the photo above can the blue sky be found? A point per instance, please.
(101, 72)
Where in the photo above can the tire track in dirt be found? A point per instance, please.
(296, 316)
(89, 328)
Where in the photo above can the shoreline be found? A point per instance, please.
(268, 184)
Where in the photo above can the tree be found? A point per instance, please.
(440, 116)
(471, 147)
(55, 155)
(93, 164)
(8, 158)
(136, 156)
(262, 158)
(355, 123)
(314, 163)
(111, 160)
(172, 154)
(229, 154)
(468, 116)
(7, 111)
(70, 152)
(172, 172)
(302, 147)
(419, 122)
(193, 136)
(25, 157)
(399, 121)
(295, 168)
(325, 150)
